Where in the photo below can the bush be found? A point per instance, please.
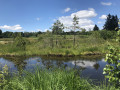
(20, 42)
(112, 69)
(96, 34)
(40, 38)
(108, 34)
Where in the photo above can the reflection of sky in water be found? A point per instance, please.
(91, 68)
(10, 65)
(83, 64)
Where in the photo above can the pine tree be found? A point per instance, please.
(0, 33)
(96, 28)
(57, 27)
(75, 26)
(111, 22)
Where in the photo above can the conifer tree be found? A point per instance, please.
(111, 22)
(96, 28)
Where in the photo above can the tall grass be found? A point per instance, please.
(46, 45)
(49, 80)
(57, 79)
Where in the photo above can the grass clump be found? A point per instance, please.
(49, 80)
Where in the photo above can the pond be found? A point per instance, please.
(91, 66)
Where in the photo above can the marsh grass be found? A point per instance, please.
(57, 79)
(46, 45)
(49, 80)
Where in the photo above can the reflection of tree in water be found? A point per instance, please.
(48, 64)
(78, 59)
(52, 64)
(55, 62)
(96, 66)
(77, 67)
(60, 64)
(83, 64)
(89, 58)
(19, 62)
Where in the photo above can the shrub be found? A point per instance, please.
(107, 34)
(20, 42)
(112, 69)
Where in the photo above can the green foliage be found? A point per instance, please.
(118, 38)
(7, 34)
(92, 49)
(75, 21)
(40, 38)
(67, 52)
(20, 42)
(107, 34)
(3, 74)
(57, 27)
(96, 34)
(45, 44)
(112, 69)
(56, 79)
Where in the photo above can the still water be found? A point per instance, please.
(91, 66)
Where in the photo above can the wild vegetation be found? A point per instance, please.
(48, 44)
(112, 69)
(58, 79)
(61, 43)
(78, 41)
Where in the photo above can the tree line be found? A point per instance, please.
(111, 24)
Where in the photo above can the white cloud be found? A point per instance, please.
(15, 27)
(106, 3)
(99, 22)
(84, 18)
(39, 30)
(67, 10)
(38, 19)
(103, 17)
(85, 13)
(45, 30)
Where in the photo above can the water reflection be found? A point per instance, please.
(88, 65)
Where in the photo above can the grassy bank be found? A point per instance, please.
(52, 80)
(58, 45)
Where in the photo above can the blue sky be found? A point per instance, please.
(35, 15)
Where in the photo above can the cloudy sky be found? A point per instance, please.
(35, 15)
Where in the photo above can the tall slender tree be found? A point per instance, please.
(75, 26)
(57, 29)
